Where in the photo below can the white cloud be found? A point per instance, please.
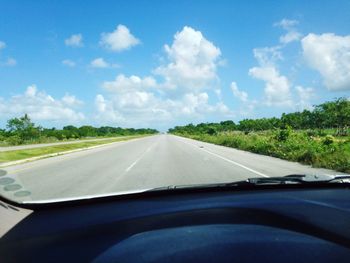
(329, 54)
(99, 63)
(105, 111)
(290, 37)
(192, 61)
(100, 103)
(129, 101)
(277, 87)
(71, 100)
(2, 45)
(134, 108)
(196, 105)
(41, 106)
(292, 34)
(241, 95)
(10, 62)
(123, 83)
(192, 106)
(68, 62)
(74, 40)
(191, 66)
(144, 108)
(131, 91)
(118, 40)
(193, 102)
(305, 95)
(247, 106)
(30, 91)
(135, 100)
(268, 56)
(287, 23)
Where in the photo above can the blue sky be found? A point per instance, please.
(165, 63)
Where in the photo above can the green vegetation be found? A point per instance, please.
(15, 155)
(23, 131)
(319, 137)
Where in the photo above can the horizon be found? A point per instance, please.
(169, 64)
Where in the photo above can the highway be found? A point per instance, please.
(142, 163)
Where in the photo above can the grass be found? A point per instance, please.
(298, 146)
(4, 143)
(15, 155)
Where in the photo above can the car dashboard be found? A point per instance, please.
(215, 225)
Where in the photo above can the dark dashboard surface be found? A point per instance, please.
(289, 225)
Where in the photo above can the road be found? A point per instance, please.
(141, 163)
(39, 145)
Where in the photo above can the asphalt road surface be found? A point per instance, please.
(143, 163)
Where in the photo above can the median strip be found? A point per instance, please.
(26, 155)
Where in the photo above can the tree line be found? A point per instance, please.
(21, 130)
(332, 114)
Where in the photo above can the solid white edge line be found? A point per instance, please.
(230, 161)
(238, 164)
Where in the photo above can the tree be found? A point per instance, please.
(87, 131)
(23, 127)
(228, 126)
(71, 131)
(333, 114)
(336, 114)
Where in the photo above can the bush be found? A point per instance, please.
(321, 133)
(328, 140)
(211, 131)
(311, 133)
(284, 134)
(14, 140)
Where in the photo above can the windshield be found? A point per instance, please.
(115, 97)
